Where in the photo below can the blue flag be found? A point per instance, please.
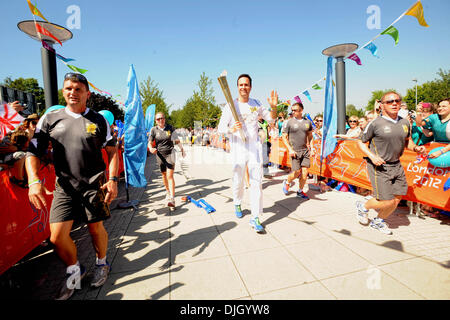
(135, 137)
(372, 48)
(120, 128)
(329, 129)
(150, 118)
(306, 93)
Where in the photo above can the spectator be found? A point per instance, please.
(362, 122)
(12, 154)
(280, 122)
(423, 111)
(354, 131)
(317, 132)
(438, 126)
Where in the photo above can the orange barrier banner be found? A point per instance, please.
(346, 164)
(22, 227)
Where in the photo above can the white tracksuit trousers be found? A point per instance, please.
(250, 154)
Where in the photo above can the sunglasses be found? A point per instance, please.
(352, 121)
(392, 101)
(34, 122)
(157, 119)
(318, 120)
(295, 110)
(79, 77)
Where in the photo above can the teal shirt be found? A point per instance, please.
(418, 136)
(441, 131)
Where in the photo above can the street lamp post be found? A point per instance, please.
(415, 80)
(48, 57)
(339, 52)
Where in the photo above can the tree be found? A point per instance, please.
(152, 94)
(351, 110)
(376, 95)
(431, 91)
(201, 106)
(100, 102)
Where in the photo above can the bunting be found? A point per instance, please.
(297, 99)
(62, 58)
(306, 94)
(76, 69)
(417, 12)
(372, 48)
(355, 58)
(316, 87)
(392, 32)
(35, 11)
(40, 29)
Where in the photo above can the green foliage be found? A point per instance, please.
(431, 91)
(351, 110)
(376, 95)
(152, 94)
(201, 106)
(100, 102)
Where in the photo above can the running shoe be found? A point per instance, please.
(171, 202)
(302, 195)
(238, 211)
(380, 225)
(100, 274)
(362, 213)
(254, 222)
(286, 186)
(72, 281)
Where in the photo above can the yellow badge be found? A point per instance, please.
(405, 128)
(168, 133)
(91, 128)
(253, 109)
(307, 126)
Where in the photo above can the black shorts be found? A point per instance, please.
(301, 160)
(87, 206)
(388, 180)
(165, 161)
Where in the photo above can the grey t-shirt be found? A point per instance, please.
(77, 141)
(387, 137)
(163, 138)
(298, 131)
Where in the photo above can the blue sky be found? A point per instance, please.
(279, 43)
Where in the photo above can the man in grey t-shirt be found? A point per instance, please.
(387, 136)
(77, 135)
(297, 136)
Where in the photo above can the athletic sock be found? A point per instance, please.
(100, 262)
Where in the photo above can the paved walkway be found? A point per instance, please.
(312, 249)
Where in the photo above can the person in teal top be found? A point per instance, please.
(438, 126)
(418, 136)
(439, 123)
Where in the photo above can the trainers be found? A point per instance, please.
(286, 186)
(302, 195)
(71, 282)
(254, 222)
(238, 211)
(100, 274)
(380, 225)
(362, 213)
(171, 202)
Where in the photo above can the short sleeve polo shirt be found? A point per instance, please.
(387, 137)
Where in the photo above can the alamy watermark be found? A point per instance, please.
(373, 282)
(374, 20)
(74, 20)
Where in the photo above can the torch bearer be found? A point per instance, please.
(226, 91)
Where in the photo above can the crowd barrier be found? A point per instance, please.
(22, 226)
(426, 183)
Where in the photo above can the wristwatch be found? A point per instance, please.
(115, 179)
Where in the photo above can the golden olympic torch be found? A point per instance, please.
(226, 91)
